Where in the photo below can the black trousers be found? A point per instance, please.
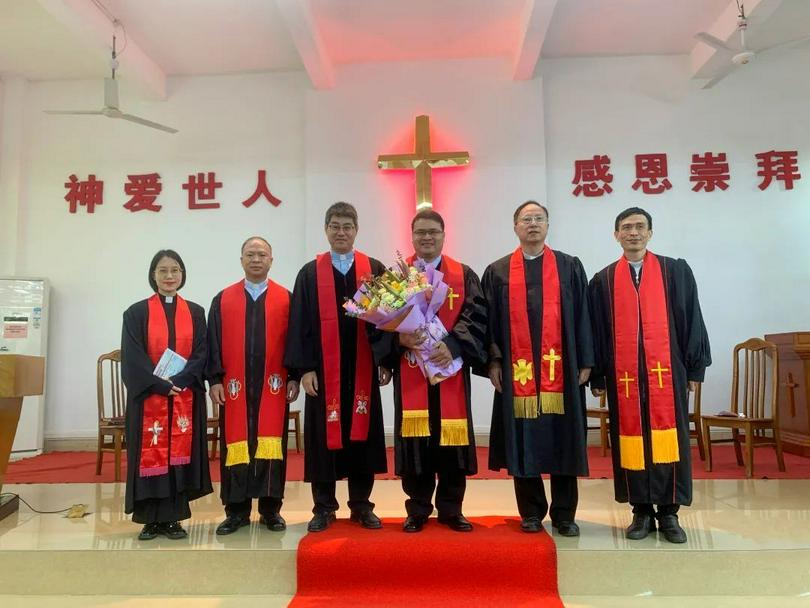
(532, 502)
(267, 507)
(323, 494)
(449, 493)
(650, 509)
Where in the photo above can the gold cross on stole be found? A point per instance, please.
(659, 370)
(551, 357)
(451, 296)
(627, 380)
(423, 161)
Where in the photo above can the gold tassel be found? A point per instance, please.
(665, 446)
(631, 450)
(525, 407)
(454, 432)
(269, 448)
(552, 403)
(415, 423)
(237, 454)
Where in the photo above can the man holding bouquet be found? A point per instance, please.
(540, 355)
(343, 421)
(433, 422)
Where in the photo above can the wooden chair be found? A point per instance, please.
(212, 429)
(110, 420)
(755, 409)
(601, 413)
(694, 417)
(295, 416)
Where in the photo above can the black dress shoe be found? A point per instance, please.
(274, 522)
(566, 528)
(459, 523)
(172, 530)
(414, 523)
(149, 532)
(531, 524)
(320, 521)
(367, 519)
(668, 526)
(231, 524)
(643, 524)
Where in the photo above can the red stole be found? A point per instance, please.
(273, 401)
(160, 448)
(330, 349)
(452, 392)
(524, 386)
(649, 303)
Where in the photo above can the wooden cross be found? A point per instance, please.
(627, 380)
(423, 161)
(659, 370)
(551, 357)
(451, 295)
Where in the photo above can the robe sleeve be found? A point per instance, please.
(214, 371)
(467, 338)
(490, 292)
(302, 353)
(136, 366)
(598, 319)
(582, 317)
(194, 371)
(694, 337)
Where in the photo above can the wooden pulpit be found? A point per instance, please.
(794, 390)
(20, 376)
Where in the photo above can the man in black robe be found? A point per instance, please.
(260, 478)
(667, 485)
(160, 502)
(420, 460)
(356, 460)
(550, 443)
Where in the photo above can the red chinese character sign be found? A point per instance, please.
(781, 166)
(202, 187)
(87, 193)
(709, 171)
(262, 190)
(652, 173)
(143, 191)
(592, 177)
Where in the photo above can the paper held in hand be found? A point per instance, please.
(170, 365)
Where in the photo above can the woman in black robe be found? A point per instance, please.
(160, 501)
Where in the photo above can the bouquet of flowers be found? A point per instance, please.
(407, 299)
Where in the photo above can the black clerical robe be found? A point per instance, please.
(660, 484)
(304, 355)
(467, 339)
(550, 443)
(163, 498)
(260, 478)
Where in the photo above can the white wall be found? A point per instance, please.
(745, 246)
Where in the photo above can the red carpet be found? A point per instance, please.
(495, 565)
(80, 467)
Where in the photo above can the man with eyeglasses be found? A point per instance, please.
(343, 422)
(540, 357)
(247, 327)
(651, 350)
(433, 430)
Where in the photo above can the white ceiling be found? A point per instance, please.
(229, 36)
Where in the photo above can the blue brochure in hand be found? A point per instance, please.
(170, 364)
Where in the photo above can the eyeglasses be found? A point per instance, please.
(640, 227)
(165, 272)
(341, 228)
(533, 219)
(423, 233)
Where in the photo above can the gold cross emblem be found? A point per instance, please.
(451, 296)
(552, 357)
(659, 370)
(627, 380)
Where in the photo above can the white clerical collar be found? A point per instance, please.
(168, 299)
(526, 256)
(252, 285)
(343, 256)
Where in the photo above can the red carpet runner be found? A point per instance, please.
(495, 565)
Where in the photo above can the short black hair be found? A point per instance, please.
(632, 211)
(428, 214)
(165, 253)
(342, 209)
(524, 205)
(255, 238)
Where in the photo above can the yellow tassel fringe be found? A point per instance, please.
(269, 448)
(552, 403)
(454, 432)
(525, 407)
(631, 449)
(237, 454)
(665, 446)
(415, 423)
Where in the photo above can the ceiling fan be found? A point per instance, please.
(111, 109)
(736, 57)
